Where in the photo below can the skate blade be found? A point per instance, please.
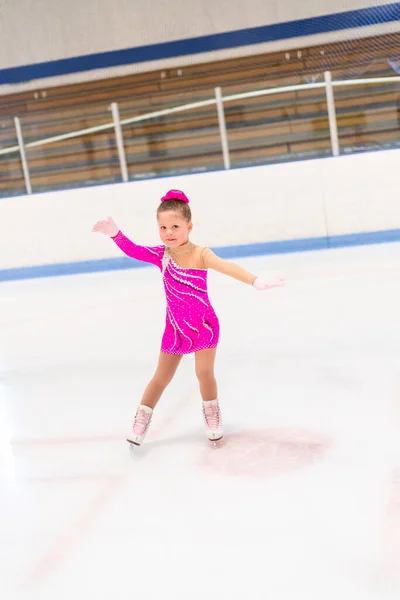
(215, 443)
(132, 443)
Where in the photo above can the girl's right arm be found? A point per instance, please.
(144, 253)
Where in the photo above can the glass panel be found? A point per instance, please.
(186, 142)
(44, 123)
(11, 175)
(81, 161)
(368, 117)
(277, 128)
(368, 67)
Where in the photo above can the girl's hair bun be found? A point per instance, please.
(175, 195)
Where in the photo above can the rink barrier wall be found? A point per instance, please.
(227, 252)
(239, 38)
(269, 209)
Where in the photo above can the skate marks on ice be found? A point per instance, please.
(266, 452)
(190, 441)
(72, 535)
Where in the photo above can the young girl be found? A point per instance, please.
(191, 322)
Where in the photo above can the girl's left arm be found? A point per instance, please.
(212, 261)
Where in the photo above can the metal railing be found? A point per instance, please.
(219, 101)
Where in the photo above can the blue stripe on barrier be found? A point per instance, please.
(241, 251)
(220, 41)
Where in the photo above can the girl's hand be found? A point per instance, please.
(261, 285)
(107, 227)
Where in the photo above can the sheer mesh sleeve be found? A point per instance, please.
(149, 254)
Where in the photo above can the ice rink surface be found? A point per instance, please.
(301, 502)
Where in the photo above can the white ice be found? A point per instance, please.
(301, 502)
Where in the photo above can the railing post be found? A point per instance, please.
(222, 128)
(23, 155)
(120, 141)
(332, 114)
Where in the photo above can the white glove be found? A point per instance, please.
(261, 285)
(106, 227)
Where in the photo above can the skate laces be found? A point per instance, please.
(212, 417)
(142, 421)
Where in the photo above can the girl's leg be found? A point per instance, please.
(204, 361)
(166, 369)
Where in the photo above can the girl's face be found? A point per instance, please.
(174, 229)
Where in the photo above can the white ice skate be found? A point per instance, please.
(140, 425)
(212, 420)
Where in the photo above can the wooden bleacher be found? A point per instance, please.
(261, 130)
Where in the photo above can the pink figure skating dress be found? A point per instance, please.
(191, 322)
